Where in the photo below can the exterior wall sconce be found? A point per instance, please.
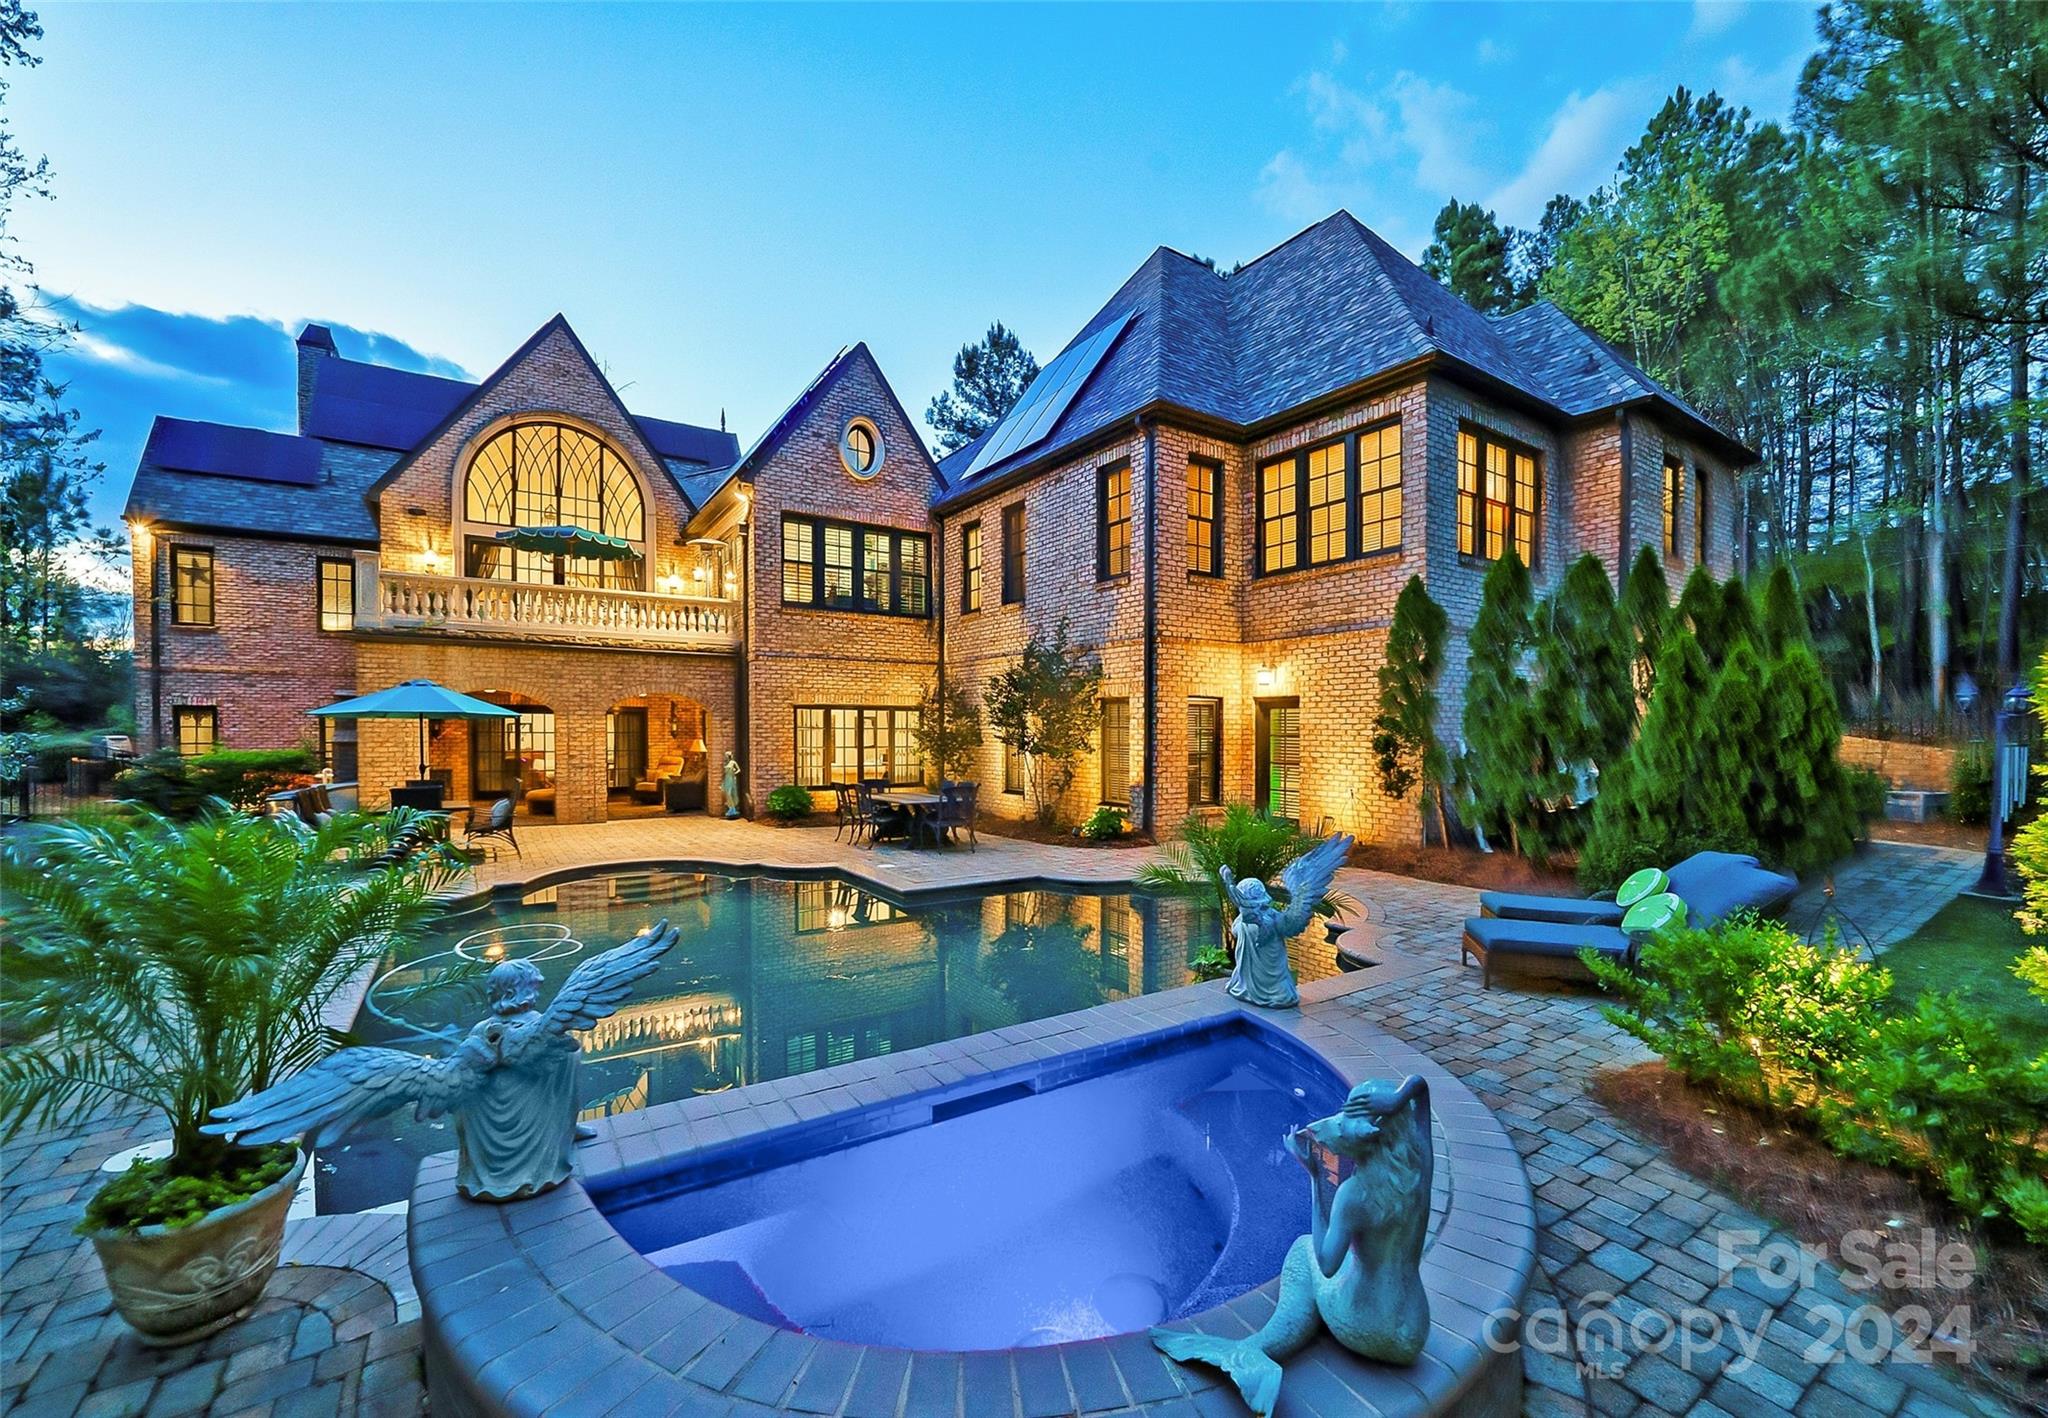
(1264, 677)
(672, 583)
(430, 561)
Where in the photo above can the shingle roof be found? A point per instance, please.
(379, 407)
(329, 506)
(1331, 307)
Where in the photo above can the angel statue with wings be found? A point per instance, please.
(1262, 975)
(511, 1082)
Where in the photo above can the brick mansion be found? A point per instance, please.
(1222, 482)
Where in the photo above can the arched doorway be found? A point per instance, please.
(656, 756)
(514, 757)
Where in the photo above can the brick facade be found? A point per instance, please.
(1314, 636)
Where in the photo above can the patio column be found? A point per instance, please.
(579, 766)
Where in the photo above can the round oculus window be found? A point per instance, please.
(860, 448)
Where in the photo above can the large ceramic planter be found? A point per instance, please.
(178, 1285)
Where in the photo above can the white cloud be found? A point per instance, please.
(1491, 51)
(1711, 17)
(1584, 141)
(1436, 124)
(1287, 190)
(1768, 92)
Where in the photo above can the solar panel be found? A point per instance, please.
(1049, 396)
(188, 447)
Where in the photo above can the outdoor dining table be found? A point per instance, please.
(919, 804)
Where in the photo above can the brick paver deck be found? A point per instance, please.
(1622, 1234)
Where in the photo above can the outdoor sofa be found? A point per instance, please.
(1547, 940)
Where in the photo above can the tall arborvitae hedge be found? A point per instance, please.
(1815, 820)
(1585, 698)
(1783, 622)
(1404, 727)
(1501, 773)
(1646, 608)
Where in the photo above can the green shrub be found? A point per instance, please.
(1103, 824)
(179, 787)
(1969, 784)
(1752, 1012)
(1749, 1009)
(1868, 792)
(1503, 773)
(789, 803)
(1252, 844)
(1211, 962)
(54, 752)
(1944, 1090)
(149, 1194)
(1404, 742)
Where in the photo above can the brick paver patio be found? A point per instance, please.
(1623, 1236)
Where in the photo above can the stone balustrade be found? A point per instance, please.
(468, 605)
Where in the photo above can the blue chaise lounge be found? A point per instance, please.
(1543, 935)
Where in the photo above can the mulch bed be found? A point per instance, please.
(1028, 830)
(1786, 1174)
(1460, 866)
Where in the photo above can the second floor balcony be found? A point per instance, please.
(512, 610)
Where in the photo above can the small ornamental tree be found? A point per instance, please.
(1044, 707)
(948, 727)
(1783, 623)
(1586, 698)
(1501, 771)
(1646, 609)
(1404, 729)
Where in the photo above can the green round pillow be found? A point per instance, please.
(1641, 885)
(1653, 914)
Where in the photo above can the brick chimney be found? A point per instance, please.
(316, 342)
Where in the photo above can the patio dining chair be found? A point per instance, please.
(847, 812)
(956, 810)
(495, 827)
(879, 819)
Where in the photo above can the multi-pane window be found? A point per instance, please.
(1013, 554)
(1279, 517)
(552, 475)
(849, 745)
(1674, 477)
(1205, 752)
(198, 728)
(191, 586)
(1328, 522)
(1699, 516)
(338, 748)
(1113, 521)
(1499, 490)
(1116, 751)
(1205, 517)
(970, 567)
(337, 594)
(799, 562)
(1119, 925)
(819, 558)
(1379, 489)
(1013, 768)
(1331, 502)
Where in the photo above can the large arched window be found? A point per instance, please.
(552, 475)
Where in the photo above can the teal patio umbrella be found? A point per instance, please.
(567, 541)
(419, 699)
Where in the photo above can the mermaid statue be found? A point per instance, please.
(1358, 1274)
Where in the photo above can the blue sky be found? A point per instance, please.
(719, 198)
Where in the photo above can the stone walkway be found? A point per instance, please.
(1624, 1237)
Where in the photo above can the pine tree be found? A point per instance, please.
(1470, 255)
(989, 377)
(1646, 607)
(1404, 738)
(1501, 771)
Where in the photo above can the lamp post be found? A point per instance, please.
(2008, 788)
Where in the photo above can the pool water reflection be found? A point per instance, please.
(772, 977)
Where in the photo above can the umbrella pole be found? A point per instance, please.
(423, 748)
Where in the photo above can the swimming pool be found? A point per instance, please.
(1141, 1185)
(773, 976)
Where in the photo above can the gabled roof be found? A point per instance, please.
(235, 495)
(1328, 309)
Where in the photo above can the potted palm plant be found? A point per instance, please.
(177, 967)
(1255, 846)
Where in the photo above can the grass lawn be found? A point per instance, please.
(1969, 947)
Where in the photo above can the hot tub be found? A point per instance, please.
(1142, 1184)
(981, 1226)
